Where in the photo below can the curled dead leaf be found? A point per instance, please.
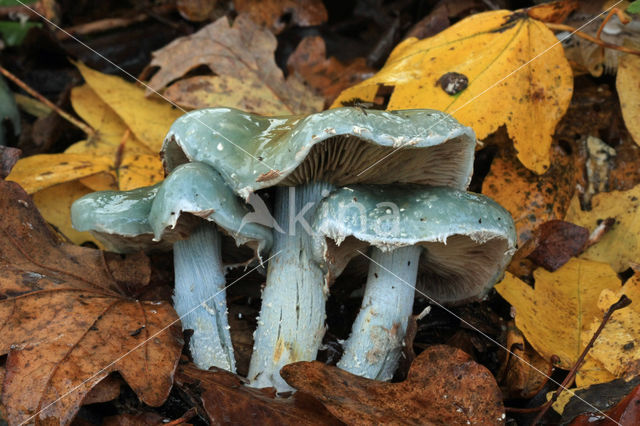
(444, 386)
(66, 323)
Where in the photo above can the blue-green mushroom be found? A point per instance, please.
(306, 157)
(191, 211)
(449, 244)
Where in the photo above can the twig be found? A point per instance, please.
(79, 124)
(615, 11)
(562, 27)
(185, 418)
(101, 25)
(623, 302)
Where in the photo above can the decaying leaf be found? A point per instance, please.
(625, 413)
(516, 71)
(532, 200)
(327, 76)
(244, 52)
(553, 11)
(123, 154)
(628, 87)
(275, 14)
(227, 400)
(524, 372)
(444, 386)
(618, 347)
(556, 316)
(620, 247)
(66, 324)
(556, 242)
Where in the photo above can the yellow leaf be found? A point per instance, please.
(592, 372)
(517, 76)
(139, 170)
(620, 246)
(100, 182)
(148, 118)
(42, 171)
(617, 348)
(54, 204)
(555, 316)
(226, 91)
(628, 87)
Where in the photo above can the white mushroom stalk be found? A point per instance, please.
(291, 322)
(374, 348)
(200, 298)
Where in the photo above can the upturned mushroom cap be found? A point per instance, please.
(468, 239)
(153, 218)
(338, 146)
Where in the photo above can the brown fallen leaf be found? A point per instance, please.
(444, 386)
(517, 378)
(276, 14)
(327, 76)
(531, 199)
(107, 390)
(8, 158)
(244, 52)
(556, 242)
(553, 11)
(625, 413)
(227, 400)
(66, 323)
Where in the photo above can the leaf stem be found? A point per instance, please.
(79, 124)
(563, 27)
(621, 303)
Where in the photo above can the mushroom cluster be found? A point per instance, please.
(334, 198)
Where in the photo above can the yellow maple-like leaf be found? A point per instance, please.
(516, 71)
(555, 316)
(117, 156)
(148, 118)
(628, 87)
(620, 247)
(617, 347)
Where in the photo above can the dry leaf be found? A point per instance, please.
(628, 87)
(556, 242)
(327, 76)
(444, 386)
(225, 91)
(519, 379)
(532, 200)
(620, 247)
(625, 413)
(227, 400)
(276, 14)
(243, 51)
(553, 11)
(148, 118)
(555, 316)
(472, 71)
(618, 347)
(64, 320)
(123, 154)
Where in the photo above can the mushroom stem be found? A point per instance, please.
(199, 276)
(291, 323)
(374, 347)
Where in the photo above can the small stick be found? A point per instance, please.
(615, 11)
(623, 302)
(101, 25)
(562, 27)
(79, 124)
(185, 418)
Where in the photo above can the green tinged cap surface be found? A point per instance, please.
(341, 146)
(468, 239)
(153, 217)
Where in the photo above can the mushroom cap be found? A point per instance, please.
(468, 239)
(152, 218)
(338, 146)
